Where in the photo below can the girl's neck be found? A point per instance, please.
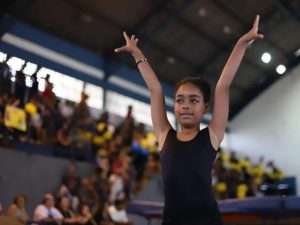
(188, 131)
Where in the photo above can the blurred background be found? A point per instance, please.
(75, 125)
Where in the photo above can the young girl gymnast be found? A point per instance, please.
(188, 154)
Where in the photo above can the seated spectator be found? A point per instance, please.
(88, 194)
(17, 209)
(46, 212)
(69, 216)
(151, 180)
(101, 184)
(273, 173)
(63, 192)
(117, 213)
(118, 178)
(86, 216)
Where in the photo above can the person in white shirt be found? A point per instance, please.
(117, 213)
(46, 212)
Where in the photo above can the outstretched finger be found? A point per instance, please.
(136, 40)
(260, 36)
(120, 49)
(126, 36)
(256, 22)
(132, 37)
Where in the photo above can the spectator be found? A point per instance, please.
(117, 181)
(88, 194)
(126, 128)
(20, 87)
(36, 132)
(63, 135)
(71, 180)
(69, 216)
(34, 90)
(82, 113)
(5, 76)
(102, 132)
(117, 213)
(63, 192)
(46, 212)
(66, 109)
(101, 184)
(48, 94)
(17, 209)
(273, 173)
(86, 215)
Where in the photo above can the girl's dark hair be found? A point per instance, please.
(200, 83)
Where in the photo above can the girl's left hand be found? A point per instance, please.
(253, 34)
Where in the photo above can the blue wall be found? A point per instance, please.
(21, 30)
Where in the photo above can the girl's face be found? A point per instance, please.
(189, 106)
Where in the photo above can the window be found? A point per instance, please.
(117, 104)
(95, 94)
(64, 86)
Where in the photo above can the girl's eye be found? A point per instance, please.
(194, 101)
(179, 100)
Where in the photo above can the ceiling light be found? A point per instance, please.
(266, 57)
(297, 52)
(280, 69)
(30, 68)
(3, 56)
(227, 29)
(202, 12)
(171, 60)
(86, 18)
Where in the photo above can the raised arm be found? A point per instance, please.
(219, 120)
(158, 114)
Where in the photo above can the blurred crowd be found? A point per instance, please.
(239, 177)
(124, 155)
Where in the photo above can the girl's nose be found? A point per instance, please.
(185, 106)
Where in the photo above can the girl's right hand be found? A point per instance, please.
(131, 44)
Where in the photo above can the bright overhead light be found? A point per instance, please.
(16, 63)
(297, 52)
(266, 57)
(226, 29)
(3, 56)
(280, 69)
(171, 60)
(30, 68)
(202, 12)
